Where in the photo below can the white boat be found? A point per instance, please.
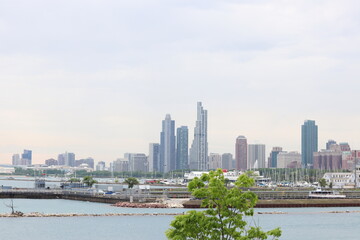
(319, 193)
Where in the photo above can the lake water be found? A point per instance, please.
(297, 224)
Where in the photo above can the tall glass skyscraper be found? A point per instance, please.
(309, 143)
(182, 148)
(167, 145)
(154, 157)
(199, 148)
(256, 156)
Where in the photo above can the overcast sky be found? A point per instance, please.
(97, 77)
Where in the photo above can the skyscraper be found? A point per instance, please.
(27, 157)
(272, 160)
(199, 146)
(309, 143)
(226, 161)
(182, 148)
(256, 156)
(167, 145)
(154, 157)
(241, 153)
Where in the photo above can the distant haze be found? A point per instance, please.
(97, 77)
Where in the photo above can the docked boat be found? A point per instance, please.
(319, 193)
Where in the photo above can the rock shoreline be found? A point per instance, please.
(36, 214)
(140, 205)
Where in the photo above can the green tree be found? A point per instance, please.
(74, 180)
(322, 182)
(225, 213)
(88, 180)
(131, 182)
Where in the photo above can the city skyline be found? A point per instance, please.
(99, 86)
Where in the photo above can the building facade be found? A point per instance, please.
(199, 147)
(256, 156)
(154, 157)
(289, 160)
(182, 148)
(241, 157)
(167, 145)
(215, 161)
(272, 160)
(309, 142)
(227, 161)
(328, 160)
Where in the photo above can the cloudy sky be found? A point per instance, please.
(97, 77)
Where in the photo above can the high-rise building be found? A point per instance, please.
(309, 143)
(272, 160)
(328, 160)
(256, 156)
(226, 161)
(137, 162)
(199, 146)
(16, 159)
(215, 161)
(167, 145)
(241, 148)
(154, 157)
(27, 157)
(89, 161)
(344, 146)
(329, 143)
(288, 160)
(100, 166)
(51, 162)
(182, 148)
(66, 159)
(120, 165)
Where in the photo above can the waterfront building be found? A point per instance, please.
(89, 161)
(329, 143)
(51, 162)
(241, 148)
(309, 142)
(227, 161)
(256, 156)
(215, 161)
(289, 160)
(167, 145)
(199, 147)
(328, 160)
(154, 157)
(272, 160)
(182, 148)
(100, 166)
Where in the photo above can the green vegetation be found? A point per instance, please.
(89, 181)
(131, 181)
(226, 209)
(322, 182)
(74, 180)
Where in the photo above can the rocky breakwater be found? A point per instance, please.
(140, 205)
(37, 214)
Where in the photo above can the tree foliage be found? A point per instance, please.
(322, 182)
(131, 182)
(226, 211)
(88, 180)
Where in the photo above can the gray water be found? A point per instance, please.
(297, 224)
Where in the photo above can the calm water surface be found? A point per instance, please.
(297, 224)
